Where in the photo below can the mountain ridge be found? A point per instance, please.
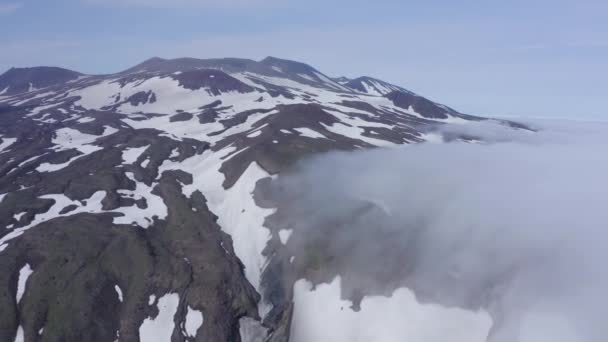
(184, 63)
(142, 194)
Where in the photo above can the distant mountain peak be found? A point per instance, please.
(20, 80)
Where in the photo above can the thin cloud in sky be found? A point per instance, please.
(9, 8)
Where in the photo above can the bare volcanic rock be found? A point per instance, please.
(216, 82)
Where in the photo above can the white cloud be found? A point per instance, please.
(10, 7)
(521, 222)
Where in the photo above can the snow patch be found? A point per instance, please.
(24, 275)
(6, 142)
(284, 235)
(20, 336)
(93, 204)
(142, 217)
(119, 292)
(19, 215)
(307, 132)
(355, 133)
(131, 154)
(307, 77)
(68, 138)
(194, 320)
(161, 327)
(254, 134)
(98, 95)
(85, 120)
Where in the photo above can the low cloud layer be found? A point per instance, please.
(516, 226)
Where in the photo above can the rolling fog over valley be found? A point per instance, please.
(476, 226)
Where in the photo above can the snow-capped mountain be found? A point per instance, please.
(130, 203)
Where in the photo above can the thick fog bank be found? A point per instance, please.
(517, 226)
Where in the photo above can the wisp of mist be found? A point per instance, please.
(516, 225)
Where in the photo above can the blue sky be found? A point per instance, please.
(487, 57)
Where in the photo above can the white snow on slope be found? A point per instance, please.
(331, 83)
(160, 328)
(85, 120)
(130, 155)
(24, 275)
(236, 210)
(40, 109)
(28, 161)
(355, 133)
(98, 95)
(20, 336)
(254, 134)
(142, 217)
(194, 320)
(193, 129)
(29, 98)
(93, 204)
(18, 216)
(307, 132)
(119, 292)
(68, 138)
(48, 167)
(377, 88)
(369, 89)
(6, 142)
(307, 77)
(170, 97)
(284, 235)
(321, 315)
